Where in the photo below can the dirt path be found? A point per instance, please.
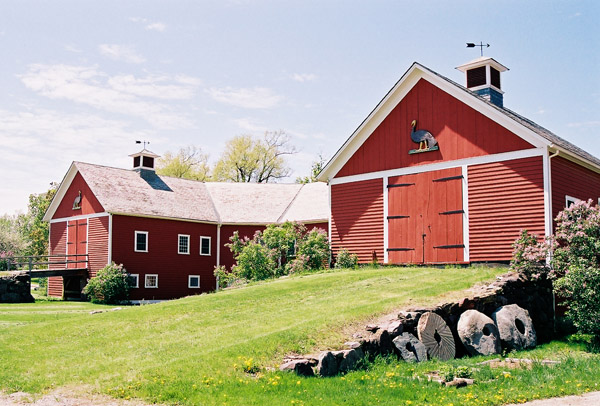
(65, 397)
(588, 399)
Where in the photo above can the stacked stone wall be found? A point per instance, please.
(16, 288)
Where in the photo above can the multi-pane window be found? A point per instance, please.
(184, 244)
(194, 281)
(141, 241)
(151, 281)
(134, 280)
(204, 245)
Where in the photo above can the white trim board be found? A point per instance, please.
(506, 156)
(81, 217)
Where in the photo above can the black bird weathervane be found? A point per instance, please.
(481, 45)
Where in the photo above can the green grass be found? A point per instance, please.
(190, 351)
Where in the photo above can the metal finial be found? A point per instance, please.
(481, 45)
(144, 142)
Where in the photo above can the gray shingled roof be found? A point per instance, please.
(148, 194)
(536, 128)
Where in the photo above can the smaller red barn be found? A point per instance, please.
(169, 233)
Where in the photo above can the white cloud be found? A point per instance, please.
(118, 52)
(249, 124)
(250, 98)
(71, 48)
(585, 124)
(122, 94)
(160, 27)
(304, 77)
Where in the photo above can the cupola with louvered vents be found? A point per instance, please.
(483, 78)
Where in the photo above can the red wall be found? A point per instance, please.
(97, 244)
(162, 257)
(504, 198)
(573, 180)
(461, 132)
(89, 204)
(357, 218)
(58, 246)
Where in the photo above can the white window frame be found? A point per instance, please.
(202, 238)
(190, 281)
(135, 245)
(571, 199)
(137, 280)
(146, 281)
(179, 244)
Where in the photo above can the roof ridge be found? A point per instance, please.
(290, 203)
(212, 202)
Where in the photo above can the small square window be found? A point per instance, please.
(194, 281)
(134, 280)
(141, 241)
(570, 201)
(184, 244)
(204, 245)
(151, 281)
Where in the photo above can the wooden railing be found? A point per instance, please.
(48, 265)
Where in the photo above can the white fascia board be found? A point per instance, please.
(81, 217)
(576, 159)
(395, 96)
(150, 216)
(484, 159)
(60, 193)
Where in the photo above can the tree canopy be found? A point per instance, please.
(316, 168)
(189, 163)
(250, 159)
(34, 229)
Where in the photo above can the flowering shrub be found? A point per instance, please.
(576, 265)
(315, 247)
(345, 259)
(298, 264)
(225, 278)
(109, 286)
(529, 256)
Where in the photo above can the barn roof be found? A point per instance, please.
(144, 193)
(523, 127)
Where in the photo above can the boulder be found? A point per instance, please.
(410, 348)
(299, 366)
(514, 327)
(350, 359)
(478, 333)
(433, 331)
(378, 343)
(395, 328)
(327, 365)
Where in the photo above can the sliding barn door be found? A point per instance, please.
(425, 218)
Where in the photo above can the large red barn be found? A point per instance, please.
(397, 198)
(169, 233)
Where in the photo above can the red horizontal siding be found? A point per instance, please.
(58, 246)
(226, 258)
(504, 198)
(461, 132)
(357, 218)
(89, 204)
(570, 179)
(162, 258)
(97, 244)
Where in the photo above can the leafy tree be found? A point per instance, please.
(33, 228)
(109, 286)
(12, 242)
(247, 159)
(316, 168)
(188, 163)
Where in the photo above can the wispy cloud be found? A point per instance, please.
(72, 48)
(304, 77)
(584, 124)
(122, 94)
(249, 98)
(123, 53)
(149, 25)
(250, 125)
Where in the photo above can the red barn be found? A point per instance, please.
(440, 173)
(169, 233)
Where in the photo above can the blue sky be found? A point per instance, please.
(82, 80)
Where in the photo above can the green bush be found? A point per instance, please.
(256, 262)
(109, 286)
(529, 256)
(345, 259)
(315, 246)
(226, 278)
(576, 265)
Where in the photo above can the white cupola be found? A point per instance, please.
(144, 160)
(483, 77)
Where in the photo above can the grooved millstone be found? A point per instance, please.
(435, 334)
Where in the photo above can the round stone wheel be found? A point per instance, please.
(437, 337)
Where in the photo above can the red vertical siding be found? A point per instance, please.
(426, 204)
(97, 244)
(58, 246)
(162, 258)
(357, 218)
(504, 198)
(461, 132)
(573, 180)
(89, 204)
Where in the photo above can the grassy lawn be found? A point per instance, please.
(190, 351)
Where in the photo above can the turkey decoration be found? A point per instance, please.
(424, 138)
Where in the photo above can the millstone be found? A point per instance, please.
(435, 334)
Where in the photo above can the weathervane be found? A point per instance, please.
(481, 45)
(144, 142)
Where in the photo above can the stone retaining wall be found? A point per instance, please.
(16, 288)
